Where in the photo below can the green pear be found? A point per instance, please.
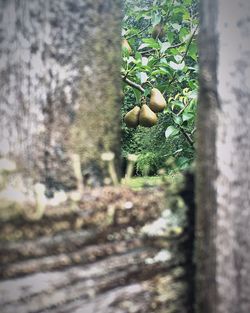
(147, 117)
(126, 46)
(158, 32)
(157, 101)
(131, 119)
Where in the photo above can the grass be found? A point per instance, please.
(139, 182)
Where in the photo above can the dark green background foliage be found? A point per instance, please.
(169, 64)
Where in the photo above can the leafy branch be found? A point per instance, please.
(185, 53)
(152, 68)
(141, 31)
(133, 84)
(182, 130)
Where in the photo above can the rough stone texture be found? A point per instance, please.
(60, 79)
(100, 256)
(223, 180)
(60, 86)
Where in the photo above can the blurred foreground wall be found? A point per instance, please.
(64, 247)
(114, 251)
(223, 154)
(60, 87)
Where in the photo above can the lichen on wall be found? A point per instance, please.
(59, 76)
(97, 123)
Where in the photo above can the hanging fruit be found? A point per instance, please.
(158, 32)
(147, 117)
(157, 101)
(126, 46)
(131, 119)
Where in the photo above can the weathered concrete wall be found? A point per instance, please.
(116, 250)
(223, 179)
(86, 252)
(60, 85)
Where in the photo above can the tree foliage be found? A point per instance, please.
(162, 37)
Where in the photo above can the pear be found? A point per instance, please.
(126, 46)
(157, 101)
(147, 117)
(158, 32)
(131, 119)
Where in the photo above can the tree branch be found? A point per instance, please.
(185, 54)
(133, 84)
(147, 51)
(183, 109)
(182, 130)
(171, 47)
(193, 131)
(141, 31)
(141, 89)
(189, 43)
(187, 136)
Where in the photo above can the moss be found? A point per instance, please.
(96, 127)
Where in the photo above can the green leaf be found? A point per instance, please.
(142, 76)
(138, 56)
(184, 34)
(163, 61)
(151, 62)
(171, 131)
(147, 92)
(177, 120)
(192, 51)
(156, 72)
(186, 116)
(177, 104)
(144, 61)
(156, 19)
(137, 95)
(178, 58)
(164, 46)
(131, 60)
(151, 42)
(143, 45)
(161, 71)
(164, 70)
(193, 94)
(170, 37)
(177, 66)
(178, 17)
(182, 162)
(125, 52)
(176, 27)
(181, 13)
